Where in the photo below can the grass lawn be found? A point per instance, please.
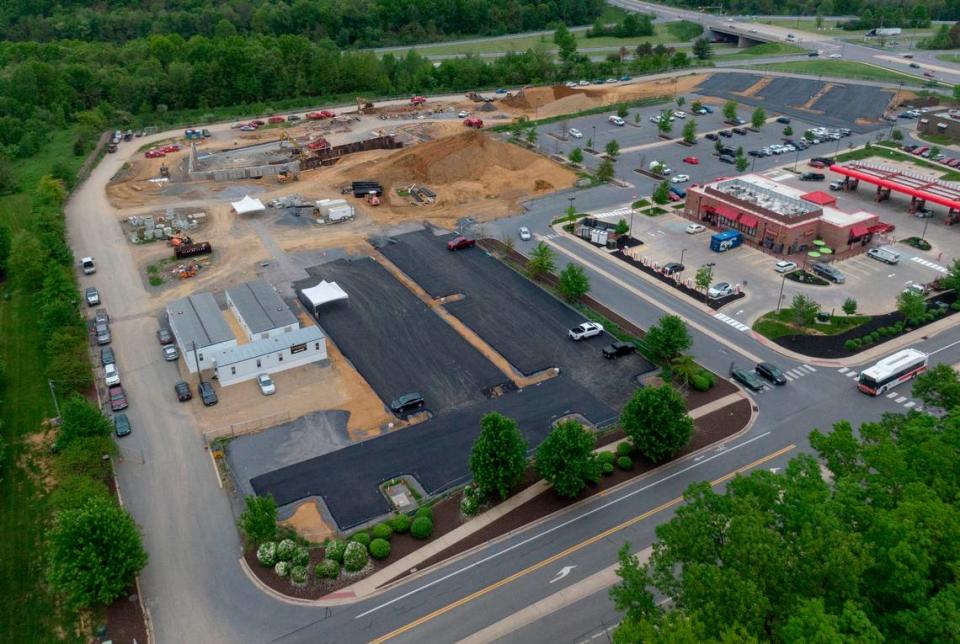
(896, 155)
(766, 49)
(829, 27)
(938, 139)
(776, 324)
(28, 613)
(841, 68)
(949, 58)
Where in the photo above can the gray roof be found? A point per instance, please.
(260, 306)
(198, 319)
(251, 350)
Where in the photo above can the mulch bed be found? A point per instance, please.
(714, 304)
(125, 620)
(709, 429)
(831, 346)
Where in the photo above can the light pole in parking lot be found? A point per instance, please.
(596, 146)
(783, 281)
(681, 258)
(796, 160)
(923, 235)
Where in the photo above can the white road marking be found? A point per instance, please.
(789, 377)
(929, 264)
(900, 399)
(843, 369)
(944, 348)
(796, 373)
(559, 526)
(739, 326)
(809, 368)
(563, 573)
(909, 404)
(892, 394)
(852, 374)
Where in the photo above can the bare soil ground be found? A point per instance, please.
(308, 523)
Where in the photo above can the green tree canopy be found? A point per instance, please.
(690, 131)
(704, 277)
(661, 194)
(913, 305)
(939, 387)
(576, 155)
(499, 456)
(613, 148)
(656, 420)
(259, 520)
(804, 309)
(702, 49)
(542, 261)
(730, 110)
(574, 282)
(605, 171)
(565, 459)
(81, 419)
(758, 118)
(668, 338)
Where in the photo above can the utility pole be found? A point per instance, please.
(783, 281)
(53, 392)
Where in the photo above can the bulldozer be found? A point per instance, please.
(285, 176)
(178, 238)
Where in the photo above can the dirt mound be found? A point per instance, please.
(537, 97)
(487, 107)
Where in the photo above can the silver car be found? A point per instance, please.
(170, 352)
(525, 233)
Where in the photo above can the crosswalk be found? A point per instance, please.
(619, 212)
(791, 375)
(895, 397)
(929, 264)
(726, 319)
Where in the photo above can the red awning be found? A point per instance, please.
(748, 221)
(819, 197)
(725, 211)
(859, 230)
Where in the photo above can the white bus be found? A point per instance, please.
(891, 371)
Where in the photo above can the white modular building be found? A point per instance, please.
(200, 330)
(276, 353)
(260, 311)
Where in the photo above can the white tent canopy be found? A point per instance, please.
(323, 293)
(248, 205)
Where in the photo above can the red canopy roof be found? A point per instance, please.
(819, 197)
(748, 221)
(725, 211)
(921, 187)
(859, 230)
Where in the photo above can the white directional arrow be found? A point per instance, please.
(775, 469)
(563, 573)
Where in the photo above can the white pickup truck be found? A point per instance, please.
(585, 330)
(87, 265)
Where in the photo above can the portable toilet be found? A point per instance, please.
(725, 240)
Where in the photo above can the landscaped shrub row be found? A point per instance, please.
(884, 332)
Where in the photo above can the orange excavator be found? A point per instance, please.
(372, 199)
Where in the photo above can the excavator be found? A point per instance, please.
(364, 106)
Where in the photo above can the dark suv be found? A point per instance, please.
(207, 394)
(617, 349)
(183, 391)
(771, 373)
(406, 404)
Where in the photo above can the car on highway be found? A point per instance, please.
(748, 379)
(680, 178)
(785, 266)
(691, 160)
(770, 372)
(672, 268)
(460, 242)
(525, 234)
(111, 375)
(500, 90)
(118, 399)
(107, 356)
(575, 133)
(407, 404)
(207, 394)
(170, 352)
(164, 336)
(617, 349)
(834, 56)
(183, 392)
(585, 330)
(914, 66)
(720, 289)
(928, 74)
(121, 425)
(693, 229)
(92, 296)
(267, 387)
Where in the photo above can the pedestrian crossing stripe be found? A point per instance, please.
(892, 394)
(808, 368)
(929, 264)
(909, 404)
(734, 323)
(844, 369)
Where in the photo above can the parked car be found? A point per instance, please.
(111, 375)
(812, 176)
(738, 120)
(183, 391)
(525, 234)
(460, 242)
(617, 349)
(680, 178)
(726, 158)
(207, 394)
(575, 133)
(121, 425)
(107, 356)
(406, 404)
(585, 330)
(739, 130)
(103, 333)
(817, 164)
(785, 266)
(92, 295)
(720, 289)
(170, 352)
(267, 388)
(783, 119)
(886, 255)
(154, 154)
(828, 272)
(293, 117)
(748, 379)
(691, 160)
(836, 185)
(771, 373)
(118, 399)
(712, 136)
(923, 213)
(164, 336)
(725, 134)
(680, 115)
(87, 266)
(672, 268)
(693, 229)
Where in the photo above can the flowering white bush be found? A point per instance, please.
(335, 550)
(355, 557)
(282, 568)
(285, 549)
(267, 554)
(298, 575)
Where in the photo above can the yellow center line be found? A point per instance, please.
(574, 548)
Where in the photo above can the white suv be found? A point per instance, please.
(585, 330)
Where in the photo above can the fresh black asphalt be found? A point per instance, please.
(435, 452)
(841, 106)
(396, 342)
(521, 321)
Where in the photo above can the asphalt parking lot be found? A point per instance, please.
(517, 318)
(396, 342)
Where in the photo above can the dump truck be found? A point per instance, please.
(318, 144)
(418, 100)
(473, 121)
(192, 250)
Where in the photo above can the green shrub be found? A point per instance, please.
(850, 345)
(883, 331)
(400, 523)
(301, 556)
(606, 468)
(955, 306)
(355, 557)
(469, 504)
(382, 531)
(379, 548)
(267, 554)
(421, 528)
(606, 456)
(425, 511)
(624, 448)
(285, 550)
(930, 317)
(858, 342)
(625, 463)
(700, 383)
(362, 537)
(282, 568)
(327, 569)
(335, 550)
(298, 575)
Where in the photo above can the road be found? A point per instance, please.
(193, 586)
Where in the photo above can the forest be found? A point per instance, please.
(348, 23)
(936, 9)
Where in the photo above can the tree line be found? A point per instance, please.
(936, 10)
(348, 23)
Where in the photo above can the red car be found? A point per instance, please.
(928, 74)
(118, 399)
(257, 123)
(155, 154)
(171, 148)
(672, 196)
(275, 119)
(817, 164)
(459, 242)
(691, 160)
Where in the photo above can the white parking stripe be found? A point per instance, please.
(900, 399)
(843, 369)
(892, 394)
(909, 404)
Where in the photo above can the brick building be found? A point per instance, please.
(945, 123)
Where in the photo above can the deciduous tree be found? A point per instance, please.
(913, 305)
(730, 110)
(565, 459)
(668, 338)
(613, 148)
(573, 283)
(576, 156)
(939, 387)
(541, 261)
(690, 131)
(499, 456)
(656, 421)
(661, 194)
(605, 172)
(259, 520)
(702, 49)
(804, 309)
(758, 118)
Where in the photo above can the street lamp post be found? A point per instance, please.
(681, 257)
(796, 160)
(783, 281)
(596, 145)
(630, 232)
(923, 235)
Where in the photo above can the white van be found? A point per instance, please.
(884, 254)
(616, 120)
